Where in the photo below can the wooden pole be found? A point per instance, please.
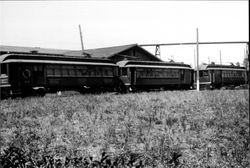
(194, 58)
(247, 53)
(81, 38)
(220, 58)
(197, 50)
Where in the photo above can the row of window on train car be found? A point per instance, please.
(230, 74)
(79, 71)
(155, 72)
(226, 74)
(161, 73)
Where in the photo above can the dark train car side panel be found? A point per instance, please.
(80, 75)
(157, 77)
(233, 77)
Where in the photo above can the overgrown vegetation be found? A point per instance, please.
(155, 129)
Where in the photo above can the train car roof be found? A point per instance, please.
(221, 67)
(33, 58)
(224, 66)
(132, 63)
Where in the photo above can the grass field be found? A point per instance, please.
(154, 129)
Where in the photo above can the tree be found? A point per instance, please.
(246, 62)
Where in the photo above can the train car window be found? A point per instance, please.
(205, 73)
(64, 72)
(104, 71)
(139, 72)
(70, 67)
(50, 72)
(78, 71)
(107, 72)
(242, 74)
(156, 74)
(57, 72)
(232, 73)
(40, 68)
(145, 73)
(168, 73)
(3, 69)
(223, 73)
(71, 72)
(35, 68)
(164, 73)
(161, 73)
(152, 73)
(148, 72)
(110, 73)
(173, 73)
(201, 73)
(84, 72)
(90, 71)
(98, 72)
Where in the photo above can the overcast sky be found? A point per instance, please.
(111, 23)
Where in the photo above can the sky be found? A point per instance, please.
(54, 24)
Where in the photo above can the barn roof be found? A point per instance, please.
(18, 49)
(106, 52)
(109, 51)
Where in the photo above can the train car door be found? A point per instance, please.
(15, 77)
(211, 75)
(182, 76)
(38, 75)
(217, 77)
(133, 75)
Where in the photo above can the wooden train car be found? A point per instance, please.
(218, 76)
(144, 75)
(26, 73)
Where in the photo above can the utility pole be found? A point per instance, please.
(194, 58)
(197, 50)
(81, 37)
(247, 53)
(220, 58)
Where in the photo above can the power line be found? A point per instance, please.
(194, 43)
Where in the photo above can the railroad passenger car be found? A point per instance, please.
(144, 75)
(25, 73)
(217, 76)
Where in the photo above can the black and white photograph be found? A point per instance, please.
(124, 84)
